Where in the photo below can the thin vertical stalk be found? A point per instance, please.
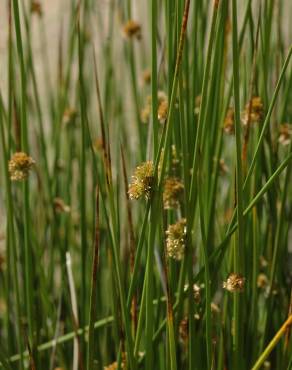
(154, 74)
(149, 280)
(239, 242)
(12, 242)
(170, 316)
(93, 292)
(207, 277)
(155, 202)
(25, 186)
(201, 120)
(82, 169)
(268, 116)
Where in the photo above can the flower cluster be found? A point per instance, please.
(146, 76)
(142, 181)
(197, 293)
(132, 29)
(162, 110)
(60, 206)
(234, 283)
(254, 111)
(173, 190)
(69, 116)
(262, 281)
(146, 110)
(174, 157)
(19, 166)
(36, 8)
(229, 121)
(176, 238)
(285, 134)
(184, 330)
(112, 366)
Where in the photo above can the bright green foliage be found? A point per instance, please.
(146, 197)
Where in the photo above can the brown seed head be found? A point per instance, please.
(60, 206)
(145, 113)
(285, 134)
(197, 293)
(254, 111)
(262, 281)
(162, 107)
(175, 241)
(173, 190)
(229, 121)
(184, 330)
(234, 283)
(132, 29)
(146, 76)
(36, 8)
(19, 166)
(69, 116)
(162, 111)
(142, 181)
(112, 366)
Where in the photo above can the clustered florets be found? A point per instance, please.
(173, 190)
(285, 134)
(146, 76)
(19, 166)
(229, 121)
(132, 29)
(254, 111)
(69, 116)
(234, 283)
(36, 8)
(176, 238)
(142, 181)
(162, 109)
(60, 206)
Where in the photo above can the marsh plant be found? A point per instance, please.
(146, 198)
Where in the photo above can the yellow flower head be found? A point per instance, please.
(112, 366)
(142, 181)
(36, 8)
(229, 121)
(60, 206)
(234, 283)
(173, 190)
(254, 111)
(19, 166)
(175, 241)
(132, 29)
(162, 111)
(285, 134)
(146, 76)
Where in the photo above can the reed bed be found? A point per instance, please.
(146, 186)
